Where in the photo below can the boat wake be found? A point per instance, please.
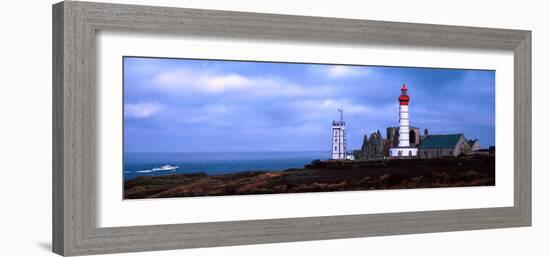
(156, 169)
(138, 171)
(143, 171)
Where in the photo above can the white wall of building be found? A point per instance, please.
(339, 147)
(403, 152)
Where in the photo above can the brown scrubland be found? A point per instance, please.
(323, 176)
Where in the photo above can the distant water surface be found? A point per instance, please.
(141, 164)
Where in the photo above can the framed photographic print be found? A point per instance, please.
(195, 127)
(183, 128)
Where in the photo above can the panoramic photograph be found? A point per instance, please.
(197, 127)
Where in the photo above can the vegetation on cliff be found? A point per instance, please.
(323, 176)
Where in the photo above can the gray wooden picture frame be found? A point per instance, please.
(75, 25)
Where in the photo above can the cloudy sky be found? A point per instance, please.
(178, 105)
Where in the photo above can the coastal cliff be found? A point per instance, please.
(323, 176)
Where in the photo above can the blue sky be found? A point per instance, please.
(179, 105)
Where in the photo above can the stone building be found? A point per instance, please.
(437, 146)
(373, 147)
(392, 135)
(474, 144)
(376, 147)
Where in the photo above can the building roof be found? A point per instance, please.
(440, 141)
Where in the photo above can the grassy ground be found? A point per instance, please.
(323, 176)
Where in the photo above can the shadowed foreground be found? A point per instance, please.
(323, 176)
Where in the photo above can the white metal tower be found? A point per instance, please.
(339, 138)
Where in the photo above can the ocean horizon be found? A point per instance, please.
(213, 163)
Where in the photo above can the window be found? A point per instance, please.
(412, 137)
(410, 153)
(400, 153)
(336, 148)
(336, 140)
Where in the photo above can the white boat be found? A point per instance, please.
(165, 168)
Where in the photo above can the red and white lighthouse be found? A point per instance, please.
(403, 148)
(403, 117)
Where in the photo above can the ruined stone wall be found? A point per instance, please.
(373, 147)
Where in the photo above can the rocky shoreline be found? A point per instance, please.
(323, 176)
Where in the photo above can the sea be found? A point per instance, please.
(212, 163)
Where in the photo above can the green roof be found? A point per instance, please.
(440, 141)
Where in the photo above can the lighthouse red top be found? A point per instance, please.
(403, 98)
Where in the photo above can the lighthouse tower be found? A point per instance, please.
(403, 117)
(339, 138)
(403, 149)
